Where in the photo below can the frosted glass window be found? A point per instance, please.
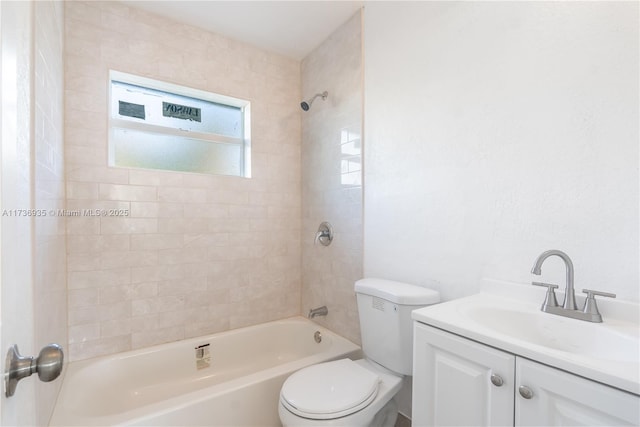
(156, 125)
(137, 149)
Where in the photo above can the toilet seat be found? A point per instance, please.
(329, 390)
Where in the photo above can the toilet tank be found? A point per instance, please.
(386, 328)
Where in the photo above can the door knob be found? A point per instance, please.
(48, 365)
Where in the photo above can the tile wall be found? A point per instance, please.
(50, 291)
(332, 178)
(197, 254)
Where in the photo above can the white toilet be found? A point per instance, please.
(360, 393)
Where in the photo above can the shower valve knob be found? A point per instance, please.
(324, 235)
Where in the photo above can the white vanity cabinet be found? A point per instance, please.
(563, 399)
(457, 381)
(453, 381)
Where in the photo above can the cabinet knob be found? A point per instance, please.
(496, 380)
(525, 392)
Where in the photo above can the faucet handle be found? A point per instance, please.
(548, 285)
(550, 299)
(590, 306)
(591, 294)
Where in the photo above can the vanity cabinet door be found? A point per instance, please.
(453, 384)
(559, 398)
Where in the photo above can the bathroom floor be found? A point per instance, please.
(403, 421)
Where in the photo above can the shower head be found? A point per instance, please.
(307, 104)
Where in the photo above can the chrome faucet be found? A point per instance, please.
(569, 292)
(569, 308)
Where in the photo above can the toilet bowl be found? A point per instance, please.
(361, 393)
(340, 393)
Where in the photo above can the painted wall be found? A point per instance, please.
(498, 130)
(332, 177)
(16, 177)
(198, 253)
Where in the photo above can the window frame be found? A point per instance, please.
(179, 90)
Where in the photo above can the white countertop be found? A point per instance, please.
(507, 316)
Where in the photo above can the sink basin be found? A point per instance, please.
(507, 316)
(596, 340)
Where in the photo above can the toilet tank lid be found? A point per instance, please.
(397, 292)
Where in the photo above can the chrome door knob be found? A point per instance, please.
(525, 392)
(48, 365)
(497, 380)
(49, 362)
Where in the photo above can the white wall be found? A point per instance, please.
(495, 131)
(17, 325)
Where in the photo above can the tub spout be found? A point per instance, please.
(320, 311)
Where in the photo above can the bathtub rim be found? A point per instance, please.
(341, 348)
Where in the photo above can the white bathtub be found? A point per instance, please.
(161, 386)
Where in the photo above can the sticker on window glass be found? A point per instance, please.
(181, 112)
(131, 110)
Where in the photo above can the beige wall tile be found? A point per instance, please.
(93, 348)
(128, 192)
(331, 193)
(156, 241)
(157, 336)
(113, 328)
(82, 262)
(82, 190)
(82, 226)
(116, 225)
(83, 297)
(103, 174)
(182, 194)
(156, 210)
(82, 333)
(164, 258)
(82, 244)
(98, 278)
